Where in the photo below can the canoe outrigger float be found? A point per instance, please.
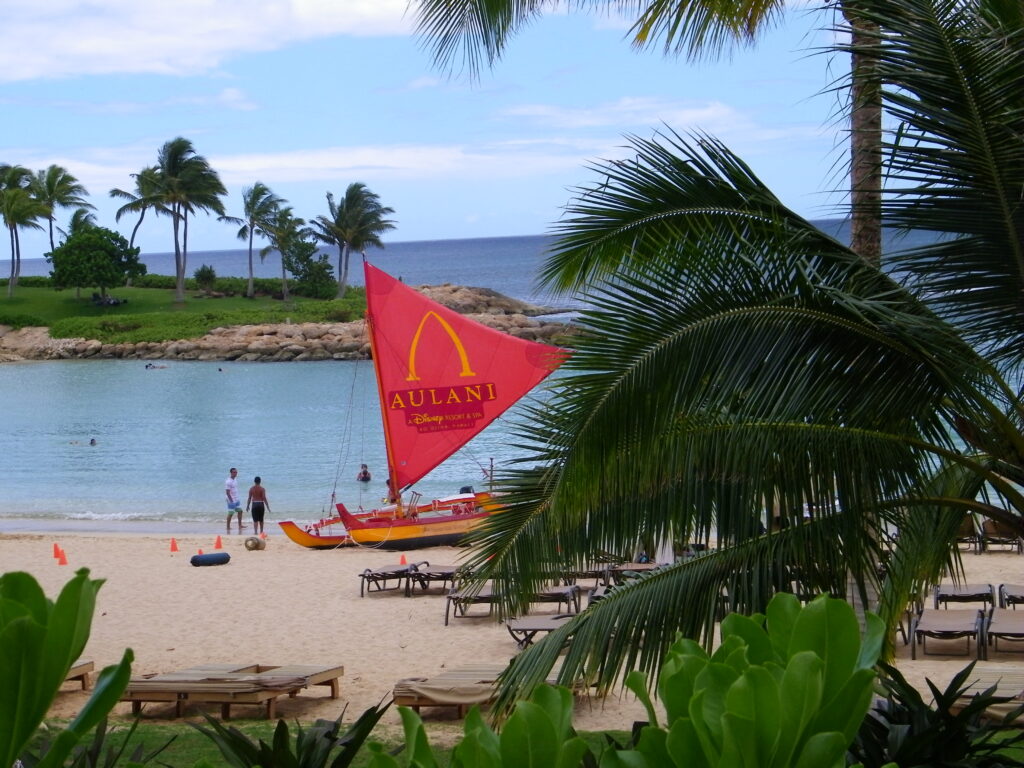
(441, 379)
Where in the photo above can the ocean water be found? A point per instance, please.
(167, 437)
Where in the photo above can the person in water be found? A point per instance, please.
(258, 502)
(363, 476)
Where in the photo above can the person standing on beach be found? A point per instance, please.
(234, 503)
(258, 502)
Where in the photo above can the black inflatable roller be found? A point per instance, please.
(213, 558)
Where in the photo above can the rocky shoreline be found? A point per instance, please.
(286, 342)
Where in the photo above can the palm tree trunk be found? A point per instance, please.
(343, 270)
(10, 282)
(135, 229)
(179, 266)
(284, 282)
(249, 288)
(17, 257)
(49, 221)
(865, 144)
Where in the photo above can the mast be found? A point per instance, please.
(393, 490)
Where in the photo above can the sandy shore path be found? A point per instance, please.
(287, 604)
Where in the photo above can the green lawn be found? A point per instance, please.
(151, 314)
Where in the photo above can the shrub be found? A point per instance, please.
(21, 321)
(205, 278)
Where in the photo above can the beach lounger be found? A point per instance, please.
(1011, 595)
(621, 571)
(228, 684)
(459, 600)
(524, 630)
(968, 534)
(996, 534)
(81, 671)
(944, 594)
(1007, 625)
(460, 687)
(950, 624)
(426, 574)
(1008, 680)
(376, 579)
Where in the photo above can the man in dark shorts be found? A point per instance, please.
(258, 503)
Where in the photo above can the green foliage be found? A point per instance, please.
(206, 278)
(94, 257)
(20, 321)
(314, 275)
(34, 281)
(322, 744)
(905, 730)
(102, 752)
(39, 641)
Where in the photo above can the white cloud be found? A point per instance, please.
(62, 38)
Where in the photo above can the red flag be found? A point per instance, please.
(442, 376)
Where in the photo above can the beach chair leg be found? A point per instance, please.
(272, 708)
(136, 706)
(335, 688)
(225, 711)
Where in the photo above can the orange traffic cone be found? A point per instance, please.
(402, 561)
(56, 551)
(263, 534)
(217, 544)
(199, 552)
(62, 560)
(174, 544)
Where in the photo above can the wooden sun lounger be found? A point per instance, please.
(81, 671)
(1007, 625)
(458, 600)
(460, 687)
(1008, 680)
(228, 684)
(524, 630)
(949, 624)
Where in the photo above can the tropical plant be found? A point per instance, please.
(286, 233)
(139, 201)
(355, 224)
(102, 751)
(57, 188)
(94, 256)
(737, 368)
(260, 205)
(320, 745)
(183, 183)
(479, 30)
(205, 278)
(39, 641)
(18, 210)
(81, 218)
(903, 729)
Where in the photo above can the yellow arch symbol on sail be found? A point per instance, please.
(456, 342)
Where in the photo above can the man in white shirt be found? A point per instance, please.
(234, 503)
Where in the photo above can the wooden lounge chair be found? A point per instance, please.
(228, 684)
(524, 630)
(459, 600)
(460, 687)
(376, 579)
(1011, 595)
(944, 594)
(1008, 680)
(1007, 625)
(949, 624)
(81, 671)
(997, 534)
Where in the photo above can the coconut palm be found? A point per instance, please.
(140, 200)
(260, 206)
(283, 228)
(742, 375)
(81, 219)
(18, 210)
(354, 224)
(57, 188)
(184, 183)
(478, 31)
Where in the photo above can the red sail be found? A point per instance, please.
(442, 376)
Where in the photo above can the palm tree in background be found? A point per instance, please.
(57, 188)
(354, 224)
(478, 31)
(283, 228)
(140, 200)
(744, 376)
(81, 219)
(260, 206)
(184, 183)
(18, 210)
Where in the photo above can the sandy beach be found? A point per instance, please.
(286, 604)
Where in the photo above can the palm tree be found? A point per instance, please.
(740, 370)
(260, 206)
(140, 200)
(283, 228)
(18, 210)
(57, 188)
(479, 31)
(184, 183)
(81, 219)
(355, 224)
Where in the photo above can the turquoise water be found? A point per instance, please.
(167, 437)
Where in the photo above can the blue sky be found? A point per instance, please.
(311, 95)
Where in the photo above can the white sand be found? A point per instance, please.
(289, 605)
